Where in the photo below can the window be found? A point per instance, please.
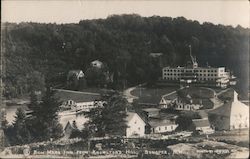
(135, 122)
(139, 128)
(172, 127)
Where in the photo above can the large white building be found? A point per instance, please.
(217, 76)
(211, 76)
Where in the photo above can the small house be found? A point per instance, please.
(135, 125)
(78, 74)
(97, 64)
(162, 126)
(167, 101)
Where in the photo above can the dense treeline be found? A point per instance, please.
(124, 43)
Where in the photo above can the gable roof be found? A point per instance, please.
(201, 122)
(65, 95)
(159, 122)
(74, 72)
(151, 110)
(130, 116)
(68, 125)
(231, 108)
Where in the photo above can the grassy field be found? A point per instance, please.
(148, 92)
(198, 92)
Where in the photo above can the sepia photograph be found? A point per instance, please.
(108, 79)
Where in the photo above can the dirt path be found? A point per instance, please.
(128, 95)
(168, 94)
(70, 91)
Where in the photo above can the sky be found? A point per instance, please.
(227, 12)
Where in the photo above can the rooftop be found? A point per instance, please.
(77, 96)
(234, 106)
(182, 67)
(151, 109)
(159, 122)
(201, 122)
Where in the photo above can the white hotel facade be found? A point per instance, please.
(217, 77)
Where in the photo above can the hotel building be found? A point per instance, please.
(206, 76)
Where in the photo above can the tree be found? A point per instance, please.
(22, 134)
(43, 122)
(184, 121)
(109, 119)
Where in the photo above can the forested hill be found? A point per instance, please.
(124, 43)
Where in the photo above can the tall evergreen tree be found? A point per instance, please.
(110, 119)
(22, 134)
(44, 122)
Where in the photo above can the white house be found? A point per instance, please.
(162, 126)
(181, 106)
(167, 101)
(97, 64)
(77, 73)
(85, 105)
(136, 126)
(79, 101)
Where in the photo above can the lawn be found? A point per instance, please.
(149, 92)
(197, 92)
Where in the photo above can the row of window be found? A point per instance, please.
(177, 78)
(166, 128)
(173, 70)
(177, 74)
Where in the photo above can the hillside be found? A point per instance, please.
(123, 43)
